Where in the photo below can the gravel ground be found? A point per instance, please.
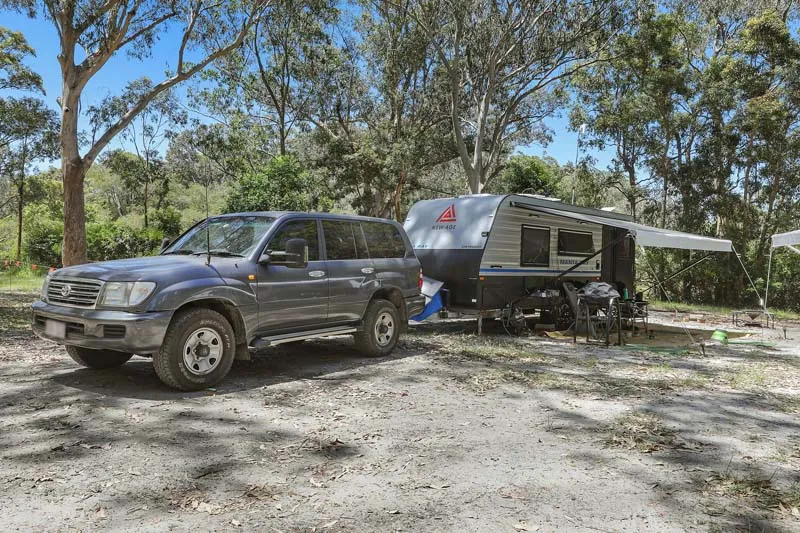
(451, 433)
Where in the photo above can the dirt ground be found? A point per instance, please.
(451, 433)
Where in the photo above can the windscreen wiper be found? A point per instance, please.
(180, 252)
(219, 253)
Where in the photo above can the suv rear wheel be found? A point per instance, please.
(197, 352)
(381, 329)
(97, 358)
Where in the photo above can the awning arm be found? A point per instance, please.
(760, 300)
(792, 248)
(769, 271)
(679, 272)
(664, 291)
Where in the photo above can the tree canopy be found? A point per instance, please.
(367, 106)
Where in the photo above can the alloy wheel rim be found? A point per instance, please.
(202, 351)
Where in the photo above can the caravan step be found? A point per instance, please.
(266, 342)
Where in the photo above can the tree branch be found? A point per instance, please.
(125, 119)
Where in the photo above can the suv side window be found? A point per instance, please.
(344, 240)
(297, 229)
(384, 240)
(339, 242)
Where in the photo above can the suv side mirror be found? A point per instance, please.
(295, 256)
(164, 244)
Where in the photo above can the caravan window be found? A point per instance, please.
(575, 243)
(535, 246)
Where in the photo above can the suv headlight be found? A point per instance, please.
(44, 287)
(126, 293)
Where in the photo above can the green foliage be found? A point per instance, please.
(528, 174)
(105, 239)
(13, 73)
(168, 221)
(282, 185)
(42, 237)
(114, 240)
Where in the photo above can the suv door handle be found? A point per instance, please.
(367, 270)
(317, 273)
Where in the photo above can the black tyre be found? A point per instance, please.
(197, 352)
(381, 329)
(98, 358)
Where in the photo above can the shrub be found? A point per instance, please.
(113, 240)
(41, 240)
(104, 241)
(282, 185)
(168, 221)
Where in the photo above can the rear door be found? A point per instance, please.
(351, 273)
(395, 265)
(293, 298)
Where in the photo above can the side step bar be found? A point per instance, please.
(265, 342)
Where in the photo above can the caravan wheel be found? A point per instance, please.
(564, 316)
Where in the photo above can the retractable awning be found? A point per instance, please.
(790, 239)
(648, 235)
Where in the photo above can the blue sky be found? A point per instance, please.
(121, 69)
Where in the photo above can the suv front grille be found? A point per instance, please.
(73, 291)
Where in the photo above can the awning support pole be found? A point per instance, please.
(578, 265)
(681, 271)
(664, 290)
(746, 272)
(769, 271)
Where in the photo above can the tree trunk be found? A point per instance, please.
(632, 184)
(146, 182)
(73, 251)
(20, 201)
(746, 185)
(73, 167)
(21, 196)
(474, 179)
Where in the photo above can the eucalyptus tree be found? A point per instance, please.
(27, 126)
(506, 65)
(376, 108)
(258, 88)
(146, 137)
(207, 32)
(32, 130)
(14, 74)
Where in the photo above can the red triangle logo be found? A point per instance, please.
(448, 215)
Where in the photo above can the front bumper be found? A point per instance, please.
(140, 333)
(415, 305)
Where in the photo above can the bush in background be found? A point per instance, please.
(168, 221)
(113, 240)
(283, 185)
(41, 240)
(104, 240)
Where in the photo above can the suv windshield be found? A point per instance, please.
(228, 236)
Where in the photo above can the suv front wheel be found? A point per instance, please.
(381, 329)
(197, 352)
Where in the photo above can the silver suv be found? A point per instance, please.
(233, 284)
